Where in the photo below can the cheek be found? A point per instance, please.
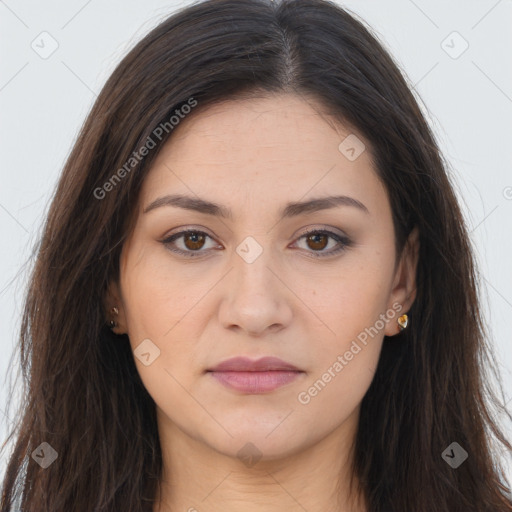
(157, 294)
(157, 310)
(335, 393)
(158, 307)
(351, 309)
(348, 354)
(352, 302)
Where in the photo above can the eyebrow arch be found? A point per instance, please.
(290, 210)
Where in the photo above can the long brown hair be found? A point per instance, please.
(82, 393)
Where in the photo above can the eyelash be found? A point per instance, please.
(343, 240)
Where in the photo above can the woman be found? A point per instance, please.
(255, 289)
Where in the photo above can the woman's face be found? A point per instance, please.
(254, 284)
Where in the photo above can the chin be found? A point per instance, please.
(257, 441)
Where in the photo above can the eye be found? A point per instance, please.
(192, 241)
(317, 239)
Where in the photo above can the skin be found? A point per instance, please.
(254, 156)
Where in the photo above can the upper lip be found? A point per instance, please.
(245, 364)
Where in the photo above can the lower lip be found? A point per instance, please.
(255, 382)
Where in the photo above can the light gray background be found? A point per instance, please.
(468, 100)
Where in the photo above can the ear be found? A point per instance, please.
(113, 300)
(404, 285)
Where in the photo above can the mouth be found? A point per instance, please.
(254, 377)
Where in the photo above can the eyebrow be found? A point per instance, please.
(290, 210)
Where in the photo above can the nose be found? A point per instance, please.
(256, 299)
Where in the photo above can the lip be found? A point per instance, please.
(255, 377)
(245, 364)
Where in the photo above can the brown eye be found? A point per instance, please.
(318, 241)
(191, 243)
(193, 240)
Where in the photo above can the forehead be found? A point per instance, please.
(264, 150)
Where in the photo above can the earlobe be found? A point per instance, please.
(404, 291)
(114, 316)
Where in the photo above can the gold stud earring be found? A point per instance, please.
(113, 311)
(402, 322)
